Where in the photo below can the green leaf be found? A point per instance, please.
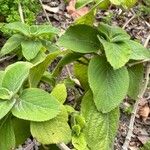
(4, 94)
(60, 92)
(7, 136)
(30, 49)
(82, 3)
(53, 131)
(100, 129)
(109, 86)
(104, 5)
(139, 52)
(79, 142)
(15, 75)
(5, 107)
(81, 73)
(21, 129)
(113, 33)
(36, 105)
(39, 30)
(11, 44)
(1, 77)
(20, 27)
(116, 51)
(80, 38)
(38, 70)
(136, 76)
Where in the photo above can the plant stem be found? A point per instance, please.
(7, 58)
(62, 146)
(136, 106)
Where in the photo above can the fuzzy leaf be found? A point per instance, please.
(5, 107)
(39, 30)
(30, 49)
(53, 131)
(60, 92)
(118, 54)
(11, 44)
(7, 136)
(36, 105)
(100, 129)
(80, 38)
(15, 75)
(138, 51)
(4, 94)
(1, 77)
(20, 27)
(136, 75)
(109, 86)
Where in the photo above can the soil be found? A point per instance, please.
(138, 28)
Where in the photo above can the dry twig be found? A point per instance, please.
(136, 106)
(62, 146)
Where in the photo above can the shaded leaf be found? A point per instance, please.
(109, 86)
(44, 105)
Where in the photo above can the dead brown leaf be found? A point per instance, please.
(144, 112)
(76, 13)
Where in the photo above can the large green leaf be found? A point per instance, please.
(100, 129)
(4, 94)
(80, 38)
(15, 75)
(7, 136)
(11, 44)
(60, 92)
(53, 131)
(20, 27)
(38, 70)
(36, 105)
(109, 86)
(5, 107)
(30, 49)
(21, 129)
(139, 52)
(38, 30)
(136, 76)
(118, 54)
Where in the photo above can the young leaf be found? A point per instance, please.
(44, 105)
(11, 44)
(80, 38)
(138, 51)
(109, 86)
(60, 92)
(116, 51)
(39, 30)
(5, 107)
(38, 70)
(20, 27)
(136, 76)
(7, 136)
(100, 129)
(30, 49)
(53, 131)
(4, 94)
(15, 75)
(21, 129)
